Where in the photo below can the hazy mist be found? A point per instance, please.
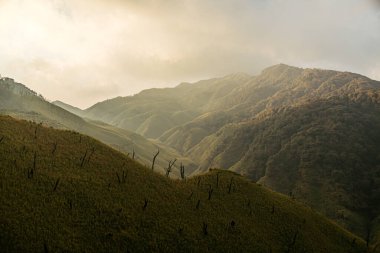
(84, 51)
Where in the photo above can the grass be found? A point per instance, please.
(65, 192)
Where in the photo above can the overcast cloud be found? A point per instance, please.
(84, 51)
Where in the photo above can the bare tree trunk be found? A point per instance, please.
(154, 158)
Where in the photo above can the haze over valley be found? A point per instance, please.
(189, 126)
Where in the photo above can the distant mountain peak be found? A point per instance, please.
(280, 68)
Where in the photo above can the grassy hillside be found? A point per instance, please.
(325, 153)
(19, 101)
(62, 191)
(308, 132)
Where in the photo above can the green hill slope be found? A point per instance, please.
(316, 138)
(65, 192)
(19, 101)
(325, 153)
(309, 132)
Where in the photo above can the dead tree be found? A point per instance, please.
(35, 132)
(124, 176)
(182, 171)
(56, 185)
(46, 249)
(198, 204)
(1, 139)
(230, 185)
(30, 173)
(231, 226)
(154, 158)
(133, 154)
(210, 191)
(118, 178)
(217, 180)
(368, 234)
(70, 203)
(145, 204)
(121, 179)
(55, 144)
(34, 160)
(205, 228)
(169, 168)
(89, 157)
(83, 159)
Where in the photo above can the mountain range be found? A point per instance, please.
(310, 134)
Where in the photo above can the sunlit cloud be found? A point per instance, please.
(83, 51)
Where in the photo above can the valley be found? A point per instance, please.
(309, 134)
(189, 126)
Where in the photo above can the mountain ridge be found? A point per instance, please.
(250, 129)
(269, 127)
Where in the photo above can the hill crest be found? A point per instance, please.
(62, 191)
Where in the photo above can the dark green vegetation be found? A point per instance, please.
(325, 153)
(62, 191)
(310, 133)
(19, 101)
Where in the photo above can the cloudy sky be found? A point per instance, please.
(84, 51)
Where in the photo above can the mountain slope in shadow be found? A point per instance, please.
(310, 133)
(63, 191)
